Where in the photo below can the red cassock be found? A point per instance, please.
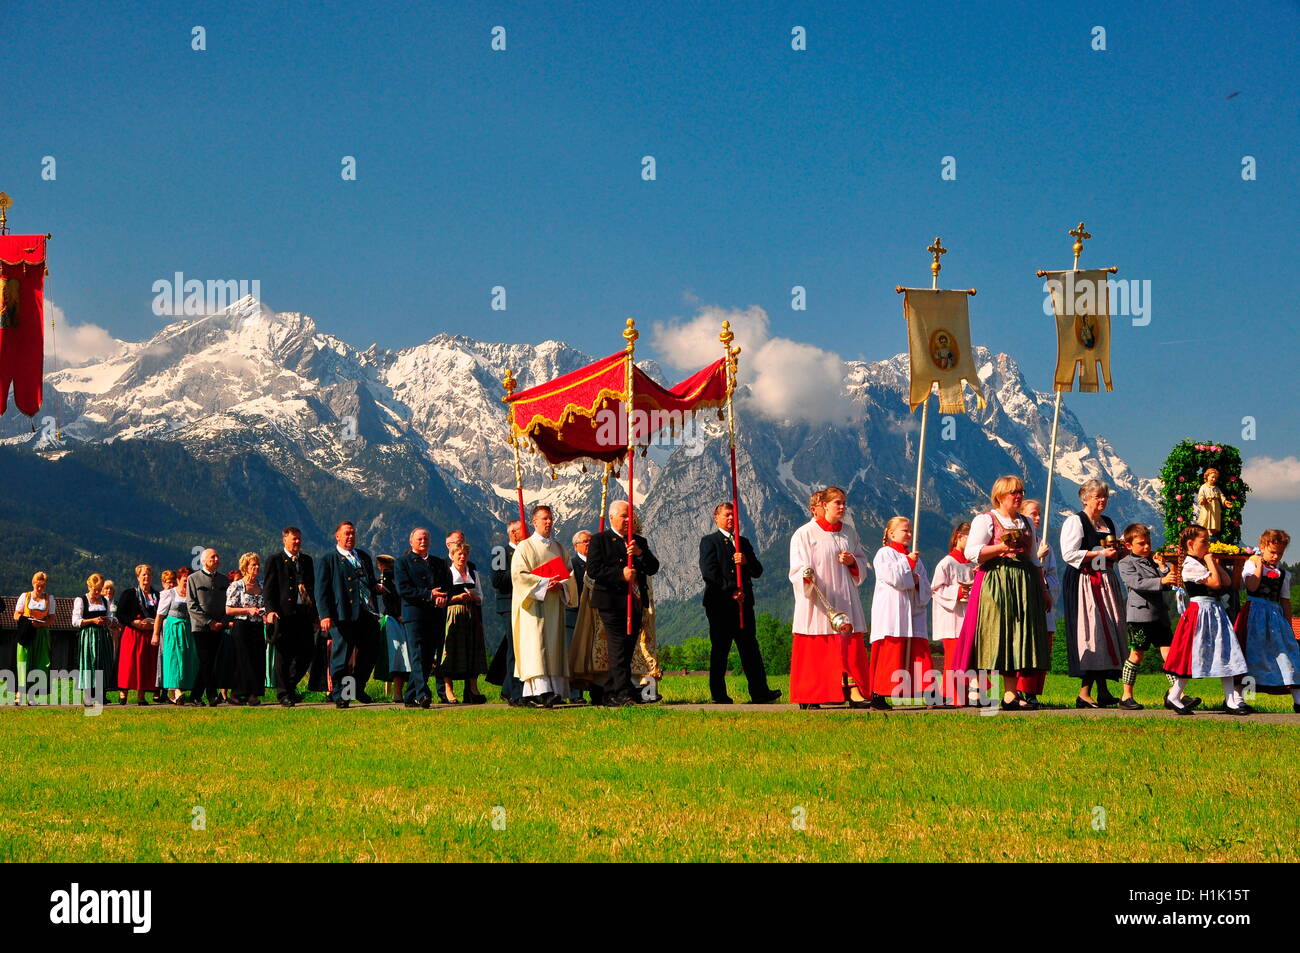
(22, 318)
(818, 663)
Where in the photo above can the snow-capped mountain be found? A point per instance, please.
(422, 430)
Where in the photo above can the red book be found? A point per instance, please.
(555, 569)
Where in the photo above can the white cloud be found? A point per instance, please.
(1271, 479)
(787, 380)
(71, 345)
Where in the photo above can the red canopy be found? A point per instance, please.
(580, 414)
(22, 317)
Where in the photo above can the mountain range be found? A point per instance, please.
(222, 428)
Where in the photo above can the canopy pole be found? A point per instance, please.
(630, 335)
(509, 383)
(604, 495)
(733, 365)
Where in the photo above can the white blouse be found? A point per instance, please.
(38, 605)
(981, 535)
(1072, 550)
(80, 606)
(1250, 570)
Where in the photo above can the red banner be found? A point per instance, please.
(22, 320)
(581, 414)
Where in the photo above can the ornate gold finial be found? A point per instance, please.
(725, 336)
(630, 333)
(1079, 234)
(936, 250)
(509, 383)
(5, 202)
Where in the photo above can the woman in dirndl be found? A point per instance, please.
(178, 657)
(1095, 630)
(464, 655)
(1005, 629)
(91, 615)
(37, 607)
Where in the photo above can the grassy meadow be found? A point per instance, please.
(655, 783)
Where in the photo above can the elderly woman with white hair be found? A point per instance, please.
(1094, 607)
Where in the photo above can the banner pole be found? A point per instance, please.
(604, 496)
(630, 335)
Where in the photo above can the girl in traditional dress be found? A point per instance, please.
(1005, 629)
(178, 658)
(951, 589)
(900, 640)
(393, 663)
(37, 605)
(96, 673)
(464, 654)
(1094, 606)
(1264, 623)
(1031, 686)
(136, 654)
(1204, 644)
(245, 604)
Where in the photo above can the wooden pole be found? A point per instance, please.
(604, 496)
(630, 335)
(733, 365)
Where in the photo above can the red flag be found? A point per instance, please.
(22, 320)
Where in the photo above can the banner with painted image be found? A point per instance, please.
(1081, 302)
(939, 349)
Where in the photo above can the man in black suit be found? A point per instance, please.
(722, 604)
(611, 576)
(423, 582)
(349, 611)
(290, 586)
(502, 670)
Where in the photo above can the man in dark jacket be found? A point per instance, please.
(612, 577)
(206, 598)
(502, 670)
(290, 587)
(349, 611)
(723, 603)
(423, 582)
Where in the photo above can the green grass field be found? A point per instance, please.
(650, 783)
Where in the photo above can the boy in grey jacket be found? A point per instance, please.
(1145, 578)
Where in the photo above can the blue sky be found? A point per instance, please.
(775, 168)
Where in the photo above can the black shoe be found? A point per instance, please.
(213, 702)
(617, 701)
(1084, 703)
(804, 706)
(1295, 707)
(722, 701)
(1130, 704)
(1178, 709)
(1031, 701)
(767, 699)
(512, 702)
(877, 702)
(549, 699)
(1106, 700)
(1017, 704)
(287, 702)
(1191, 701)
(1242, 709)
(255, 700)
(364, 698)
(861, 704)
(235, 700)
(341, 703)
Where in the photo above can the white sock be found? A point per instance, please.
(1231, 697)
(1177, 690)
(1295, 695)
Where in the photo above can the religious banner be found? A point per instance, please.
(938, 346)
(1081, 300)
(580, 414)
(22, 320)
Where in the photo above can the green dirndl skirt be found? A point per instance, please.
(180, 656)
(95, 659)
(36, 657)
(1012, 628)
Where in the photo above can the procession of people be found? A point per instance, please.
(581, 620)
